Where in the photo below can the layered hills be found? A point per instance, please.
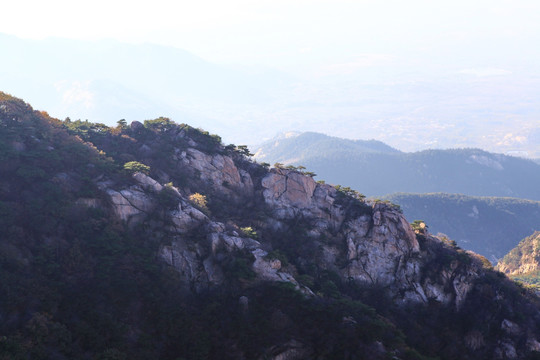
(293, 147)
(154, 240)
(409, 107)
(490, 226)
(465, 171)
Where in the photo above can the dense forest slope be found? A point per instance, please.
(490, 226)
(156, 241)
(465, 171)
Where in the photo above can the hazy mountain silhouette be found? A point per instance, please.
(465, 171)
(410, 108)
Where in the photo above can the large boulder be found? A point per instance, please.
(218, 171)
(290, 194)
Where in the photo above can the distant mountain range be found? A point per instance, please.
(293, 147)
(410, 108)
(490, 226)
(105, 81)
(467, 171)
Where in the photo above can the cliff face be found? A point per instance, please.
(204, 222)
(377, 243)
(370, 243)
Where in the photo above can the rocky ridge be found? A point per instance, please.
(218, 222)
(364, 242)
(378, 243)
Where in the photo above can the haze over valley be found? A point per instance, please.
(347, 179)
(362, 71)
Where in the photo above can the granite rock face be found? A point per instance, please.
(129, 203)
(290, 194)
(186, 217)
(219, 171)
(373, 244)
(381, 247)
(132, 203)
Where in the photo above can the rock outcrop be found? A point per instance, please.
(368, 243)
(290, 194)
(133, 203)
(218, 171)
(379, 244)
(524, 258)
(372, 244)
(129, 203)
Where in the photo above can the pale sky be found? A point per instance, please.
(355, 68)
(296, 33)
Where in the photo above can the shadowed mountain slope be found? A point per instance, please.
(154, 240)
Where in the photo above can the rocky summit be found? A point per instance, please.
(155, 240)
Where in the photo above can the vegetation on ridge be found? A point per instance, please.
(77, 282)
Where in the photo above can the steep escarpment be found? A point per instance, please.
(369, 243)
(154, 240)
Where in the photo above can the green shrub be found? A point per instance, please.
(276, 254)
(161, 124)
(239, 268)
(249, 232)
(135, 166)
(167, 198)
(347, 191)
(419, 226)
(306, 280)
(200, 202)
